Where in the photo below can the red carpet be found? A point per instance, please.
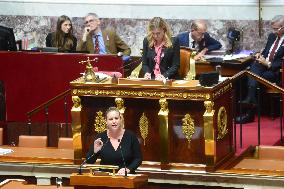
(269, 133)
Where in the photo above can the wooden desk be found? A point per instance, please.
(228, 68)
(17, 184)
(38, 155)
(86, 180)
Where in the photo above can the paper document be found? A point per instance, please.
(4, 151)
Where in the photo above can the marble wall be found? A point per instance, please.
(132, 30)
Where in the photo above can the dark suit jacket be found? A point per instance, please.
(113, 43)
(207, 42)
(169, 61)
(279, 54)
(7, 39)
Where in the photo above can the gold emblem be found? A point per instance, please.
(144, 125)
(222, 123)
(188, 128)
(100, 122)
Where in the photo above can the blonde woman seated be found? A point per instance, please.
(161, 56)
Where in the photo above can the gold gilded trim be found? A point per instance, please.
(192, 71)
(188, 128)
(144, 127)
(100, 122)
(121, 108)
(139, 94)
(222, 123)
(210, 144)
(76, 103)
(222, 90)
(76, 127)
(164, 130)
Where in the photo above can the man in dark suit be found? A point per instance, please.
(198, 38)
(7, 39)
(267, 64)
(100, 41)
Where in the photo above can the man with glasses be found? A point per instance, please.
(266, 65)
(99, 41)
(197, 38)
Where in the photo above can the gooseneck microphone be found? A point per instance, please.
(83, 163)
(80, 168)
(125, 170)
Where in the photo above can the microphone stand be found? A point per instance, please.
(125, 170)
(80, 168)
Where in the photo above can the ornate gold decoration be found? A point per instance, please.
(192, 71)
(76, 127)
(136, 71)
(222, 90)
(121, 108)
(209, 133)
(100, 122)
(209, 107)
(76, 103)
(164, 107)
(144, 126)
(152, 94)
(188, 128)
(120, 105)
(164, 130)
(90, 75)
(222, 123)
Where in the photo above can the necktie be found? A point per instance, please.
(272, 53)
(97, 48)
(193, 44)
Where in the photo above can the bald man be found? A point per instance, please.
(198, 38)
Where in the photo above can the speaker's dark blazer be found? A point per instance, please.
(170, 58)
(207, 41)
(7, 39)
(277, 61)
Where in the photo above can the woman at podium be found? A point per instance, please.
(161, 56)
(116, 146)
(63, 37)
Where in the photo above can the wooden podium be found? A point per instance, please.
(86, 180)
(179, 124)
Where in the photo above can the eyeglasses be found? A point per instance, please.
(89, 21)
(277, 29)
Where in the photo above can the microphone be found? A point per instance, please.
(80, 168)
(125, 172)
(135, 63)
(83, 163)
